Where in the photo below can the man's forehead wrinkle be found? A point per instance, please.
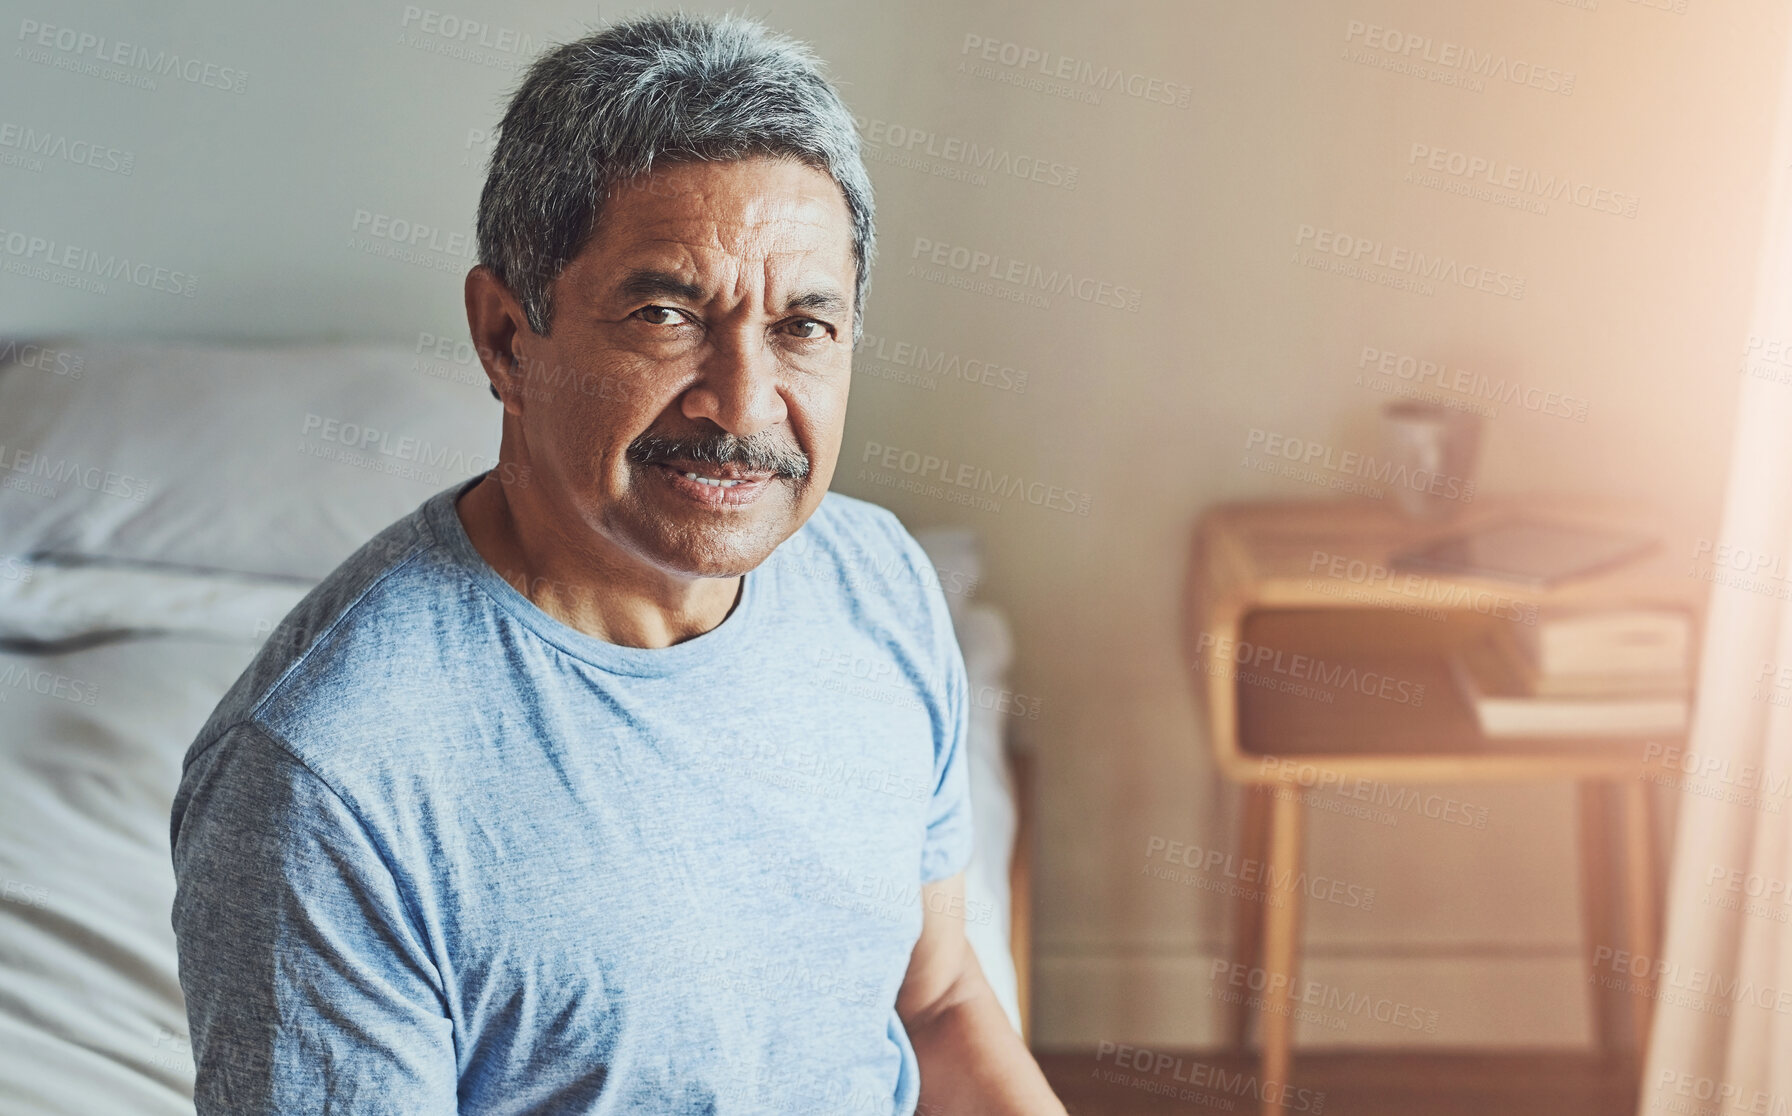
(799, 208)
(735, 271)
(732, 236)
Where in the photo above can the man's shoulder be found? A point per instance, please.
(861, 542)
(842, 512)
(366, 635)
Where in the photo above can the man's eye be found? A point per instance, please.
(659, 315)
(808, 329)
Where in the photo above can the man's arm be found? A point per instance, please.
(971, 1059)
(308, 987)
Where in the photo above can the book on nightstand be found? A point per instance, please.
(1611, 643)
(1615, 673)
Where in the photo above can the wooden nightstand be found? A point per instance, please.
(1287, 585)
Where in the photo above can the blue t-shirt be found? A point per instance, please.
(438, 852)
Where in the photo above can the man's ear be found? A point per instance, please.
(495, 318)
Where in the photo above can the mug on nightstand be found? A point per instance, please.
(1433, 451)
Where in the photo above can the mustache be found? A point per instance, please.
(764, 452)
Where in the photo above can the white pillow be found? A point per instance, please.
(255, 460)
(957, 557)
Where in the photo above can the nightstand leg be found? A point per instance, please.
(1643, 940)
(1247, 910)
(1597, 873)
(1281, 947)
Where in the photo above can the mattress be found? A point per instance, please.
(91, 1015)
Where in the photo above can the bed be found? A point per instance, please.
(161, 507)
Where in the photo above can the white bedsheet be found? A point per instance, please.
(91, 1015)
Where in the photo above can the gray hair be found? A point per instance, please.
(654, 89)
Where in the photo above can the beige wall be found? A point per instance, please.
(356, 108)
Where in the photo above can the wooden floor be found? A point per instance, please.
(1349, 1084)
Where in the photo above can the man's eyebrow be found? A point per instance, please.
(651, 284)
(655, 284)
(827, 301)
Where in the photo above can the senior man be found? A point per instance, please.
(542, 802)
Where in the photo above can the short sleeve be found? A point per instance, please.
(947, 850)
(308, 986)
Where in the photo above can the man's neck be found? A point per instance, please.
(589, 584)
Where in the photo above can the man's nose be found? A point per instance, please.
(737, 388)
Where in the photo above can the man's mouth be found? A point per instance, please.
(716, 486)
(721, 473)
(720, 476)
